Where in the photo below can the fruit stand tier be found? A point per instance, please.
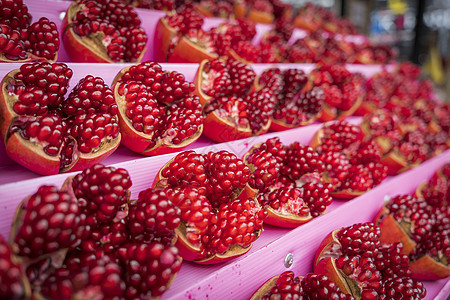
(108, 72)
(237, 279)
(55, 11)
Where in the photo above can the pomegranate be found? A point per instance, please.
(286, 286)
(216, 224)
(47, 134)
(342, 91)
(351, 165)
(401, 140)
(232, 107)
(436, 190)
(286, 182)
(13, 283)
(294, 107)
(89, 240)
(157, 111)
(221, 9)
(23, 41)
(98, 31)
(260, 11)
(355, 260)
(423, 229)
(179, 37)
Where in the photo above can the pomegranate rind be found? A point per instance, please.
(233, 252)
(327, 267)
(280, 125)
(395, 162)
(327, 113)
(328, 242)
(347, 194)
(392, 232)
(346, 113)
(260, 16)
(365, 108)
(426, 268)
(7, 113)
(306, 23)
(235, 56)
(198, 80)
(221, 130)
(324, 264)
(285, 220)
(265, 288)
(239, 9)
(86, 160)
(188, 52)
(31, 155)
(163, 35)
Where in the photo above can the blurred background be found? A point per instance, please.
(419, 30)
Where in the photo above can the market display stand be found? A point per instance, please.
(238, 278)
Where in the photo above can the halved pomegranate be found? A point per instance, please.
(157, 110)
(22, 41)
(216, 224)
(286, 182)
(98, 31)
(353, 258)
(403, 145)
(286, 286)
(179, 37)
(308, 17)
(343, 91)
(295, 107)
(232, 109)
(261, 11)
(423, 229)
(88, 240)
(436, 190)
(48, 135)
(351, 166)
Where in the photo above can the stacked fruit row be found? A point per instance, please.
(368, 261)
(89, 236)
(153, 111)
(114, 32)
(179, 37)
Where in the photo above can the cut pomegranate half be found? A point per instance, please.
(217, 224)
(157, 111)
(96, 31)
(23, 41)
(355, 260)
(48, 135)
(423, 229)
